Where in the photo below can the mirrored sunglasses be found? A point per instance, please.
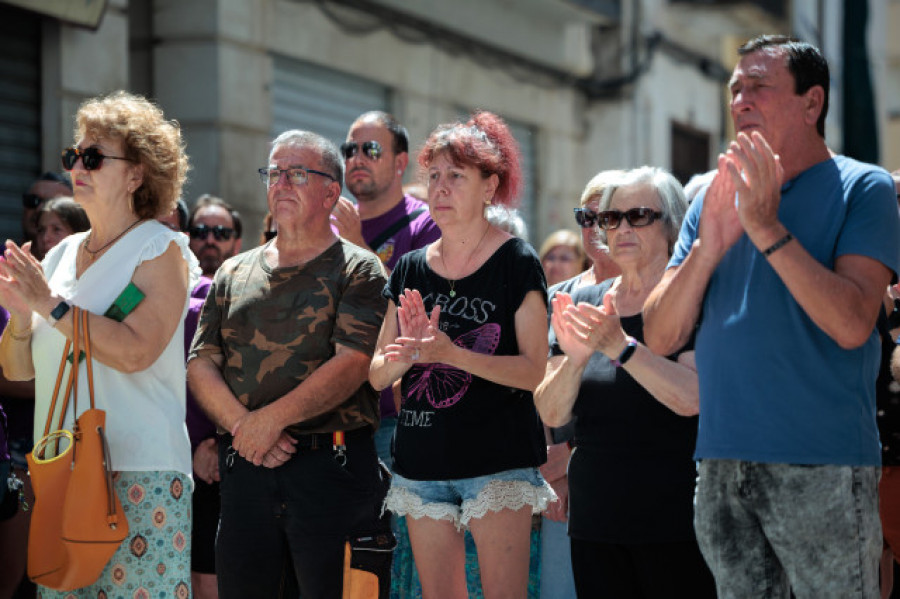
(219, 232)
(91, 158)
(370, 149)
(636, 217)
(296, 175)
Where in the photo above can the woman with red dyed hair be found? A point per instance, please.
(466, 333)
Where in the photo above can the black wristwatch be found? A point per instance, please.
(58, 312)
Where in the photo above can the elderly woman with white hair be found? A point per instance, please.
(631, 476)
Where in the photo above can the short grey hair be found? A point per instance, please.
(332, 161)
(669, 190)
(598, 183)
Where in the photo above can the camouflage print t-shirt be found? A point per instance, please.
(275, 326)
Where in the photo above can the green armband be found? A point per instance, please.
(127, 301)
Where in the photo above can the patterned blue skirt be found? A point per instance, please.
(155, 560)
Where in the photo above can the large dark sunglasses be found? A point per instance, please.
(371, 149)
(31, 200)
(219, 232)
(91, 158)
(636, 217)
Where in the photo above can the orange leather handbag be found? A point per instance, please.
(77, 523)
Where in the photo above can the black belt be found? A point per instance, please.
(313, 441)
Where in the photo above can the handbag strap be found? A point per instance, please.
(59, 376)
(86, 330)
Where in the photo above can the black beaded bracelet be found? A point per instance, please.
(777, 245)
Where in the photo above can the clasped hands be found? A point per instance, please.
(420, 340)
(583, 329)
(752, 171)
(259, 439)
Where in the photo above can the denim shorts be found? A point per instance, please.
(462, 499)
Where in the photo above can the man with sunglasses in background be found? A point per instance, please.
(386, 220)
(779, 271)
(48, 186)
(215, 231)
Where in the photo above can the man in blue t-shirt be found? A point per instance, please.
(781, 267)
(385, 220)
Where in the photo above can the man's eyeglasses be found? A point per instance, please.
(91, 158)
(370, 149)
(611, 219)
(296, 175)
(203, 231)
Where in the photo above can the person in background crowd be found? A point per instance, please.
(562, 256)
(57, 219)
(48, 186)
(385, 220)
(128, 167)
(299, 472)
(783, 288)
(465, 332)
(887, 396)
(631, 475)
(205, 498)
(556, 573)
(507, 219)
(215, 230)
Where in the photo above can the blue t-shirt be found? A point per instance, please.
(773, 386)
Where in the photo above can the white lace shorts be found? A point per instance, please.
(462, 499)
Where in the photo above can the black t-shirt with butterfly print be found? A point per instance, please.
(452, 424)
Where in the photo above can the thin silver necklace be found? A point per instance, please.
(452, 282)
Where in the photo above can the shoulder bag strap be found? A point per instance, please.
(87, 351)
(399, 224)
(59, 376)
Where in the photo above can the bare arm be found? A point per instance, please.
(326, 388)
(672, 309)
(383, 372)
(128, 346)
(15, 350)
(843, 302)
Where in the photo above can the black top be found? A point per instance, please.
(452, 424)
(631, 476)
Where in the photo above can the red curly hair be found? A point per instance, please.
(484, 142)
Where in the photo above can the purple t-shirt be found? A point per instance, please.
(416, 234)
(199, 426)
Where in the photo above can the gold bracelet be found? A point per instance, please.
(23, 337)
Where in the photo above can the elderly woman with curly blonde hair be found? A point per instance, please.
(127, 167)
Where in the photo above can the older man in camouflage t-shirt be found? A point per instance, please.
(280, 362)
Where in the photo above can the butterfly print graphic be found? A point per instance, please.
(444, 385)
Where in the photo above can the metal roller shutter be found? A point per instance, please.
(313, 98)
(20, 110)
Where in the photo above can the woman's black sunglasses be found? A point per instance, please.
(611, 219)
(91, 158)
(371, 149)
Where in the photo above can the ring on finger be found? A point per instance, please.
(415, 355)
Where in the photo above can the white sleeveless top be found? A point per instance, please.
(145, 410)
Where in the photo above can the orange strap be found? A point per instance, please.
(80, 327)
